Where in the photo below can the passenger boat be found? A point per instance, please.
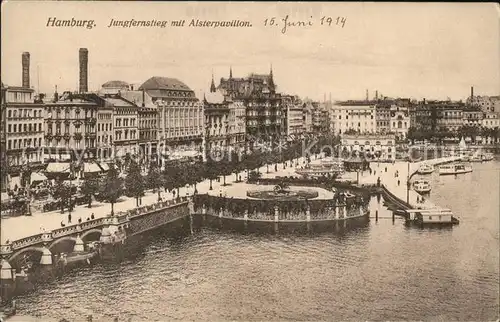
(425, 169)
(456, 168)
(476, 157)
(422, 186)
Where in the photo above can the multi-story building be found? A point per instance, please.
(181, 119)
(237, 124)
(472, 117)
(491, 120)
(495, 102)
(450, 118)
(400, 121)
(356, 116)
(148, 119)
(70, 128)
(320, 118)
(264, 116)
(383, 116)
(125, 126)
(373, 146)
(104, 132)
(293, 108)
(216, 110)
(484, 103)
(307, 117)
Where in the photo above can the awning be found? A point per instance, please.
(91, 168)
(36, 177)
(57, 167)
(104, 166)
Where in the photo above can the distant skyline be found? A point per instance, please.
(416, 50)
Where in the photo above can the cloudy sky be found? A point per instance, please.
(414, 50)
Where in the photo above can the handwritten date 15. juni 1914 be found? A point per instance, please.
(287, 23)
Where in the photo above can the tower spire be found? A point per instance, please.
(230, 71)
(271, 80)
(212, 86)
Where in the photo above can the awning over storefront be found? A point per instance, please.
(91, 168)
(37, 177)
(58, 167)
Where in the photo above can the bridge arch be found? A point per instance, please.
(55, 242)
(88, 232)
(21, 251)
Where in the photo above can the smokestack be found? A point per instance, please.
(376, 95)
(367, 97)
(143, 98)
(84, 61)
(26, 69)
(471, 91)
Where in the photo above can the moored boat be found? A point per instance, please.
(425, 169)
(457, 168)
(487, 156)
(422, 186)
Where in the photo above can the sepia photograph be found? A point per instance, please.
(249, 161)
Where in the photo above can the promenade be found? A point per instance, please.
(19, 227)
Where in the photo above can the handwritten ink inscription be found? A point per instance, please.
(286, 23)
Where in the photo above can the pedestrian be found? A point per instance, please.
(92, 216)
(79, 220)
(69, 218)
(385, 169)
(398, 183)
(88, 218)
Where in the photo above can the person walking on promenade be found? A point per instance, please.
(62, 224)
(385, 169)
(69, 218)
(92, 216)
(79, 220)
(398, 183)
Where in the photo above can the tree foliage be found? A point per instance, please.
(89, 188)
(113, 187)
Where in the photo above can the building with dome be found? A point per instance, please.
(180, 117)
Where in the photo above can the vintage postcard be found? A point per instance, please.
(256, 161)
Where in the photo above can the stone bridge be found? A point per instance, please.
(122, 225)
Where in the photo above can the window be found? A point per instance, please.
(10, 114)
(10, 128)
(10, 145)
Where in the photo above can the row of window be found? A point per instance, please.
(24, 113)
(347, 116)
(104, 127)
(24, 143)
(12, 128)
(127, 135)
(126, 123)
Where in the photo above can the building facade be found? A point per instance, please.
(294, 119)
(181, 118)
(237, 125)
(264, 115)
(374, 147)
(70, 128)
(105, 132)
(125, 126)
(400, 121)
(472, 117)
(216, 110)
(491, 120)
(356, 116)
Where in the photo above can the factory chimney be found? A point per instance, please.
(471, 92)
(367, 97)
(84, 62)
(26, 69)
(376, 95)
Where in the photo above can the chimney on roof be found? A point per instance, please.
(367, 97)
(84, 61)
(143, 98)
(26, 69)
(376, 95)
(472, 92)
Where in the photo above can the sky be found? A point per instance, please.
(417, 50)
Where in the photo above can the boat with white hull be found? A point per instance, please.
(457, 168)
(422, 186)
(425, 169)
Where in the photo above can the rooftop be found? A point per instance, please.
(164, 83)
(115, 84)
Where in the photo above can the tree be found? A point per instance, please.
(211, 171)
(154, 178)
(113, 187)
(89, 188)
(134, 182)
(62, 191)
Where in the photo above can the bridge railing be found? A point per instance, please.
(27, 241)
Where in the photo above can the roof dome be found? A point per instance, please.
(165, 83)
(115, 84)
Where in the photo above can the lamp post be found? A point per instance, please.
(408, 184)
